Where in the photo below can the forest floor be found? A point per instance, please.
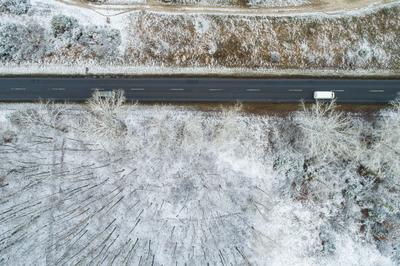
(112, 183)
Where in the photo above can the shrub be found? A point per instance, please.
(16, 7)
(46, 115)
(20, 42)
(8, 136)
(275, 57)
(61, 24)
(100, 42)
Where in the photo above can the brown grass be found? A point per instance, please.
(274, 109)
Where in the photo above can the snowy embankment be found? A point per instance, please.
(107, 183)
(89, 69)
(44, 37)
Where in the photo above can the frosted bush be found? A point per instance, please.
(70, 41)
(381, 202)
(275, 57)
(8, 136)
(16, 7)
(316, 152)
(100, 43)
(79, 42)
(364, 54)
(22, 42)
(43, 115)
(63, 24)
(385, 151)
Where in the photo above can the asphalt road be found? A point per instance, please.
(199, 89)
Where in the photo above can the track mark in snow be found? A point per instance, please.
(165, 198)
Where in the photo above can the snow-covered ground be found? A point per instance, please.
(106, 183)
(51, 36)
(56, 69)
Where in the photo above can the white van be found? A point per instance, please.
(324, 95)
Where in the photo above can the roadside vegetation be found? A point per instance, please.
(66, 41)
(368, 41)
(45, 36)
(16, 7)
(106, 182)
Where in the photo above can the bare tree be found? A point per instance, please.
(326, 132)
(385, 152)
(104, 118)
(45, 114)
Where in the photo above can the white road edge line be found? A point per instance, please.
(295, 90)
(252, 89)
(17, 89)
(376, 91)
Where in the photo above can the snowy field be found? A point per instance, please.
(44, 37)
(113, 184)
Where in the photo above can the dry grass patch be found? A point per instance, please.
(365, 42)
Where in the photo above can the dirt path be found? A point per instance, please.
(320, 6)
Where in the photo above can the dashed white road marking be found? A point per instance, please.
(176, 89)
(18, 89)
(376, 91)
(338, 90)
(98, 89)
(58, 89)
(215, 89)
(295, 90)
(137, 89)
(250, 90)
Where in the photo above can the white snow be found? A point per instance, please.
(106, 183)
(96, 69)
